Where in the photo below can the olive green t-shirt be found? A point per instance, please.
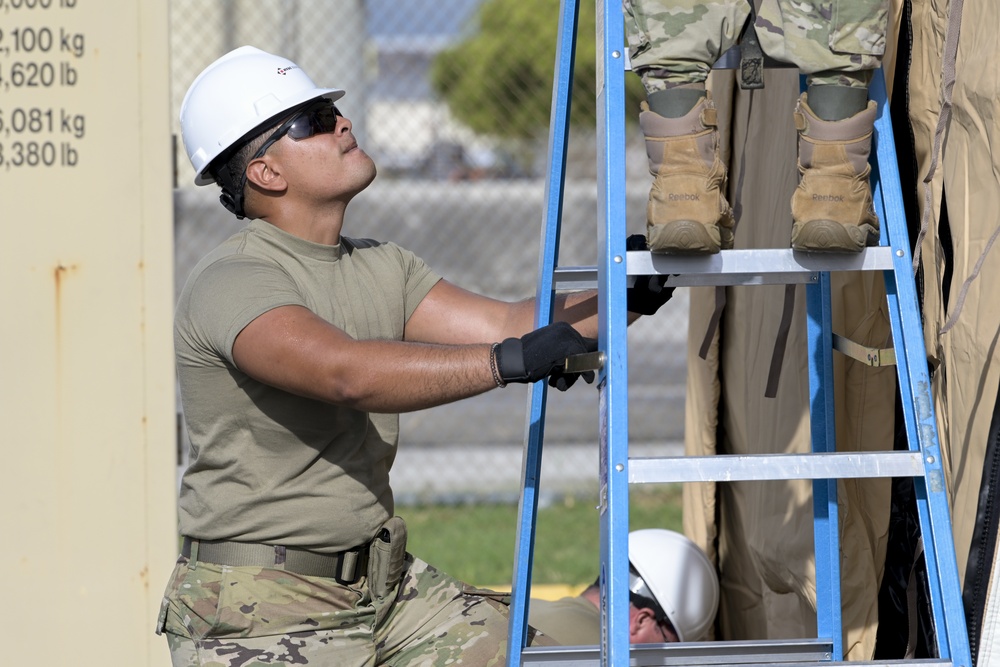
(266, 465)
(572, 621)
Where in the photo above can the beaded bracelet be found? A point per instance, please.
(494, 367)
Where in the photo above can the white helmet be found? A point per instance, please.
(679, 576)
(240, 91)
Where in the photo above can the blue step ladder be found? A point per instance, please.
(824, 465)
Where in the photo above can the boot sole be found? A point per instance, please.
(832, 236)
(682, 237)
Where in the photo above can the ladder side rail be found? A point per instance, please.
(916, 393)
(823, 436)
(826, 531)
(907, 403)
(612, 318)
(930, 553)
(531, 462)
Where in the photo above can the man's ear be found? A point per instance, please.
(265, 173)
(639, 620)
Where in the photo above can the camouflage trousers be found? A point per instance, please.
(222, 616)
(676, 42)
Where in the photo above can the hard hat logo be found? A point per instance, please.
(286, 70)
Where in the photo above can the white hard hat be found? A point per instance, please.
(240, 91)
(679, 576)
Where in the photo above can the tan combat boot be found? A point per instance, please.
(832, 206)
(687, 212)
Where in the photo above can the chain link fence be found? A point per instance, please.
(451, 99)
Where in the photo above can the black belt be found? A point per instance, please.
(345, 566)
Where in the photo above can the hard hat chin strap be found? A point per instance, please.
(233, 205)
(232, 192)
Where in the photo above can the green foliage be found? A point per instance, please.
(498, 81)
(475, 543)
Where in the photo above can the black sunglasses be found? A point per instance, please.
(314, 119)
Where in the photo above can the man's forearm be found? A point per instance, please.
(390, 376)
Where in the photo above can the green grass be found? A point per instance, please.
(475, 543)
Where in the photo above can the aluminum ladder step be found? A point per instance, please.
(768, 652)
(780, 266)
(774, 653)
(769, 467)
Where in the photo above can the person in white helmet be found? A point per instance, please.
(296, 349)
(673, 596)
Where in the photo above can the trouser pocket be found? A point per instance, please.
(161, 618)
(859, 27)
(386, 557)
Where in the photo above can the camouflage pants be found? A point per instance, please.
(676, 42)
(222, 616)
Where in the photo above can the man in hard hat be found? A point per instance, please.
(673, 596)
(296, 349)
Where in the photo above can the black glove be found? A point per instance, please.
(648, 293)
(541, 353)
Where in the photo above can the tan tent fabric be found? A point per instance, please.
(764, 545)
(966, 357)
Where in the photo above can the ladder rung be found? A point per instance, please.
(735, 267)
(732, 468)
(578, 657)
(776, 653)
(760, 652)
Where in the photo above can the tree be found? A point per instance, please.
(498, 81)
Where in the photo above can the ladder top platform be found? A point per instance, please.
(735, 267)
